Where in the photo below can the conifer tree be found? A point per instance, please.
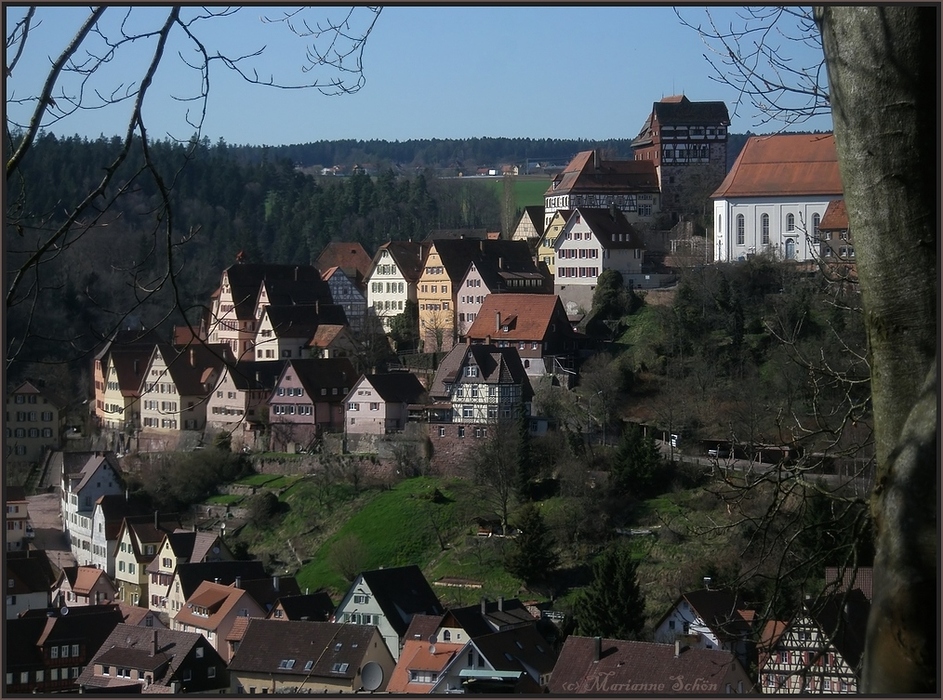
(612, 605)
(532, 557)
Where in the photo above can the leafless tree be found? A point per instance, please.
(81, 79)
(882, 70)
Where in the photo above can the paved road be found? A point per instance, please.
(47, 524)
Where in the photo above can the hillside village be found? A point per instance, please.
(474, 329)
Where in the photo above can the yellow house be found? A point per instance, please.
(545, 246)
(444, 269)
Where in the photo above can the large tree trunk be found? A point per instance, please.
(883, 72)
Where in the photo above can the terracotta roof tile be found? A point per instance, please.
(835, 218)
(418, 655)
(784, 165)
(587, 173)
(534, 317)
(350, 257)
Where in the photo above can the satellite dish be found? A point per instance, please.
(216, 549)
(372, 676)
(432, 644)
(63, 610)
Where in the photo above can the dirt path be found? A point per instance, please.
(47, 524)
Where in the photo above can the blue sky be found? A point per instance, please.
(431, 72)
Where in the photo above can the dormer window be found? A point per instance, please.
(472, 370)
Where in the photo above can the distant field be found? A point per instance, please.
(528, 189)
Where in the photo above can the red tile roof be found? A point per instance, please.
(419, 656)
(533, 314)
(350, 257)
(590, 174)
(784, 165)
(835, 218)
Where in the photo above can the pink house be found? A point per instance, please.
(379, 403)
(308, 399)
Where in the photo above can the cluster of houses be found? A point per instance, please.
(277, 360)
(278, 363)
(162, 608)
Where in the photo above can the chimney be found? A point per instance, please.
(612, 210)
(497, 321)
(597, 648)
(501, 603)
(484, 605)
(677, 648)
(481, 245)
(238, 583)
(500, 263)
(707, 583)
(596, 159)
(296, 273)
(192, 357)
(154, 643)
(137, 366)
(216, 580)
(275, 583)
(156, 521)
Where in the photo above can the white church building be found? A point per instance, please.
(775, 196)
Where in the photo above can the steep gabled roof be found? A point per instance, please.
(420, 655)
(245, 281)
(265, 591)
(496, 617)
(82, 579)
(316, 607)
(268, 646)
(609, 226)
(190, 367)
(216, 599)
(303, 320)
(327, 334)
(132, 646)
(423, 626)
(148, 529)
(784, 165)
(496, 366)
(130, 366)
(92, 466)
(640, 668)
(843, 618)
(835, 217)
(87, 624)
(457, 254)
(192, 574)
(589, 173)
(115, 508)
(407, 255)
(402, 592)
(291, 292)
(535, 215)
(518, 649)
(31, 572)
(397, 387)
(250, 375)
(720, 609)
(497, 272)
(352, 258)
(317, 373)
(533, 316)
(678, 110)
